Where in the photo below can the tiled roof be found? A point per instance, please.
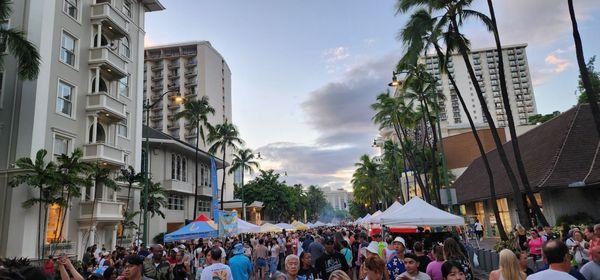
(558, 153)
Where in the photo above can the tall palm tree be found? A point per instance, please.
(17, 44)
(392, 159)
(452, 13)
(129, 177)
(244, 161)
(38, 174)
(223, 136)
(511, 122)
(156, 199)
(196, 113)
(583, 70)
(366, 182)
(422, 31)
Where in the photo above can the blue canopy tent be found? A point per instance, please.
(201, 227)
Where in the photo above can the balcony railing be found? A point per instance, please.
(105, 104)
(101, 210)
(107, 14)
(104, 153)
(106, 58)
(178, 186)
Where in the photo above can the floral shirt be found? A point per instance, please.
(396, 267)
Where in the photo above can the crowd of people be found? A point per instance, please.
(333, 253)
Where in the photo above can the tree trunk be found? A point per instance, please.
(196, 172)
(126, 211)
(521, 208)
(64, 217)
(486, 162)
(511, 122)
(398, 176)
(44, 230)
(39, 237)
(583, 71)
(223, 183)
(413, 164)
(243, 202)
(435, 174)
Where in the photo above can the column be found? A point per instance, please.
(92, 237)
(99, 37)
(94, 129)
(97, 80)
(114, 237)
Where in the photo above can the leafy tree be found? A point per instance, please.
(367, 183)
(268, 189)
(17, 44)
(315, 202)
(244, 161)
(539, 118)
(129, 177)
(156, 199)
(223, 136)
(40, 175)
(594, 80)
(196, 113)
(357, 210)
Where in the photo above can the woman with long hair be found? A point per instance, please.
(452, 252)
(521, 237)
(306, 268)
(453, 271)
(509, 268)
(434, 268)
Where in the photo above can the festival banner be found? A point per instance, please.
(227, 223)
(215, 190)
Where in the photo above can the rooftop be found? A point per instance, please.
(560, 153)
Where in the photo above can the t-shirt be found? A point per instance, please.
(434, 270)
(329, 263)
(396, 267)
(308, 273)
(420, 276)
(217, 271)
(535, 246)
(423, 262)
(591, 271)
(348, 255)
(241, 267)
(316, 250)
(550, 274)
(478, 226)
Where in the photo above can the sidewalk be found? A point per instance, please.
(488, 244)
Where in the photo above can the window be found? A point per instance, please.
(70, 8)
(204, 205)
(3, 25)
(101, 85)
(54, 222)
(64, 100)
(175, 202)
(67, 49)
(178, 168)
(127, 8)
(61, 146)
(122, 128)
(173, 164)
(183, 170)
(124, 86)
(124, 49)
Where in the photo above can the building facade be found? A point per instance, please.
(87, 96)
(485, 65)
(338, 198)
(191, 70)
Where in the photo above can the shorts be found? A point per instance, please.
(260, 262)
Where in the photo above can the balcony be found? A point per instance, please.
(189, 74)
(158, 87)
(108, 16)
(157, 67)
(101, 210)
(103, 153)
(179, 186)
(157, 77)
(173, 126)
(191, 63)
(109, 61)
(105, 105)
(190, 83)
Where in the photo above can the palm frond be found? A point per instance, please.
(26, 53)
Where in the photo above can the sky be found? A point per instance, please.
(304, 73)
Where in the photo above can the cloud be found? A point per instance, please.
(560, 64)
(336, 54)
(340, 111)
(554, 64)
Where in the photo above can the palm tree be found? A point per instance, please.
(196, 113)
(244, 161)
(366, 182)
(224, 136)
(38, 174)
(453, 13)
(100, 176)
(156, 199)
(583, 70)
(511, 122)
(129, 177)
(422, 31)
(71, 178)
(17, 44)
(392, 160)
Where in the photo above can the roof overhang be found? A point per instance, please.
(152, 5)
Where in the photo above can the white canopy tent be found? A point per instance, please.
(285, 226)
(268, 227)
(319, 224)
(310, 225)
(387, 214)
(246, 227)
(363, 219)
(373, 216)
(417, 212)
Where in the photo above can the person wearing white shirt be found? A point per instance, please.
(216, 270)
(555, 253)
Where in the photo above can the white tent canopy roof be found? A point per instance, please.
(319, 224)
(285, 226)
(417, 212)
(246, 227)
(268, 227)
(387, 214)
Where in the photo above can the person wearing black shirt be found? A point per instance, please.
(423, 259)
(330, 261)
(306, 270)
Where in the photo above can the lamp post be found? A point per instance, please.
(396, 84)
(147, 107)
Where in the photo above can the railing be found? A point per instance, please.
(104, 102)
(103, 152)
(108, 12)
(104, 55)
(101, 210)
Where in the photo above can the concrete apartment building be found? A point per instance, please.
(88, 95)
(192, 70)
(338, 198)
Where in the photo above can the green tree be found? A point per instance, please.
(539, 118)
(243, 160)
(17, 44)
(316, 200)
(42, 176)
(393, 164)
(357, 210)
(223, 136)
(156, 199)
(594, 79)
(268, 189)
(130, 178)
(196, 113)
(584, 74)
(367, 184)
(100, 177)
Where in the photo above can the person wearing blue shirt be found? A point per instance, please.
(396, 264)
(241, 266)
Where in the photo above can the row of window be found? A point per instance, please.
(72, 7)
(69, 45)
(177, 202)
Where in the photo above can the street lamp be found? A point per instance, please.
(147, 107)
(395, 82)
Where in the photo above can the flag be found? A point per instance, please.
(215, 192)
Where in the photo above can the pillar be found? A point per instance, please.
(92, 237)
(99, 37)
(94, 129)
(114, 237)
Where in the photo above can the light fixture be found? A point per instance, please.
(394, 82)
(108, 70)
(179, 99)
(107, 115)
(110, 27)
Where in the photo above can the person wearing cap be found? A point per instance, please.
(411, 262)
(241, 266)
(330, 261)
(396, 264)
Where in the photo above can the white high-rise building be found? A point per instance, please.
(338, 198)
(485, 65)
(87, 96)
(192, 70)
